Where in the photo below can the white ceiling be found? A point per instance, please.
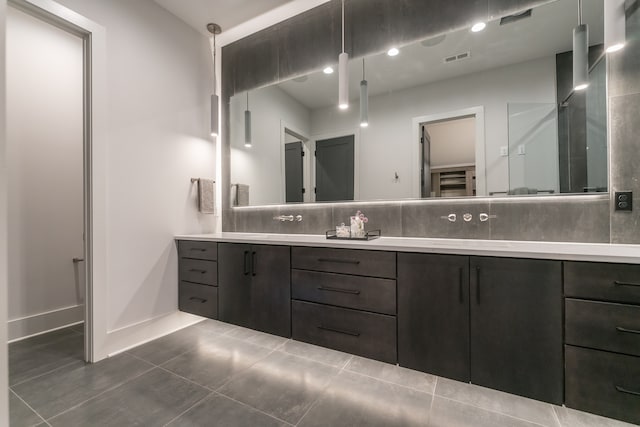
(547, 32)
(226, 13)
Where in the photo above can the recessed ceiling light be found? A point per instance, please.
(393, 51)
(478, 26)
(328, 70)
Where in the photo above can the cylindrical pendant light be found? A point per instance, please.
(614, 25)
(214, 29)
(364, 100)
(580, 53)
(247, 125)
(343, 73)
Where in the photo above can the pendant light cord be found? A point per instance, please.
(342, 26)
(579, 12)
(363, 76)
(247, 100)
(215, 82)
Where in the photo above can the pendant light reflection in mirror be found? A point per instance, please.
(343, 73)
(364, 99)
(214, 29)
(614, 25)
(247, 125)
(580, 53)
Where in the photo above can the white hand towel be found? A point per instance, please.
(206, 195)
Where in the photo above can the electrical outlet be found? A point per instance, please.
(624, 200)
(521, 150)
(504, 151)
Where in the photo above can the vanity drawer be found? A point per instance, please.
(198, 250)
(603, 383)
(365, 334)
(198, 271)
(360, 262)
(606, 326)
(611, 282)
(363, 293)
(198, 299)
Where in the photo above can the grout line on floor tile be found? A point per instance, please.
(189, 408)
(28, 406)
(255, 409)
(493, 412)
(46, 373)
(103, 392)
(317, 361)
(186, 379)
(393, 383)
(433, 398)
(555, 414)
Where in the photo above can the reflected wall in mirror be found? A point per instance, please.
(460, 114)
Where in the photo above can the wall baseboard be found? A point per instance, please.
(44, 322)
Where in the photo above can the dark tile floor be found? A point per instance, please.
(215, 374)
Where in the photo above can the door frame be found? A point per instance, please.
(478, 113)
(94, 159)
(306, 171)
(356, 158)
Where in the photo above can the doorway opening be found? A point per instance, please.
(296, 171)
(449, 154)
(49, 151)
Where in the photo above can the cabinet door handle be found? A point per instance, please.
(196, 270)
(478, 284)
(460, 284)
(339, 260)
(339, 331)
(629, 331)
(253, 263)
(627, 391)
(246, 263)
(202, 300)
(198, 249)
(619, 283)
(344, 291)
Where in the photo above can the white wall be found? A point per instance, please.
(4, 369)
(158, 84)
(45, 167)
(385, 144)
(260, 165)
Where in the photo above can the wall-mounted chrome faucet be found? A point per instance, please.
(451, 217)
(486, 217)
(290, 218)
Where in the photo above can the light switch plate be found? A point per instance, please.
(504, 151)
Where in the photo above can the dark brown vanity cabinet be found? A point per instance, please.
(346, 300)
(602, 337)
(255, 287)
(496, 322)
(198, 278)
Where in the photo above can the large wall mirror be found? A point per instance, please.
(487, 113)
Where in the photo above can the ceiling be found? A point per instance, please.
(226, 13)
(547, 32)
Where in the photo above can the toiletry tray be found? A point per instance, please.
(369, 235)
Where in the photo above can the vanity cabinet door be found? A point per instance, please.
(271, 289)
(255, 287)
(234, 283)
(433, 314)
(516, 326)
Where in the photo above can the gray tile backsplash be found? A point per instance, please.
(563, 219)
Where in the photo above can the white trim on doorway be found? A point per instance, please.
(306, 171)
(478, 113)
(95, 162)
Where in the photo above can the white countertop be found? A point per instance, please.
(501, 248)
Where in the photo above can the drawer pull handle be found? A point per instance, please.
(629, 331)
(340, 261)
(344, 291)
(195, 270)
(624, 390)
(198, 249)
(339, 331)
(202, 300)
(246, 270)
(619, 283)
